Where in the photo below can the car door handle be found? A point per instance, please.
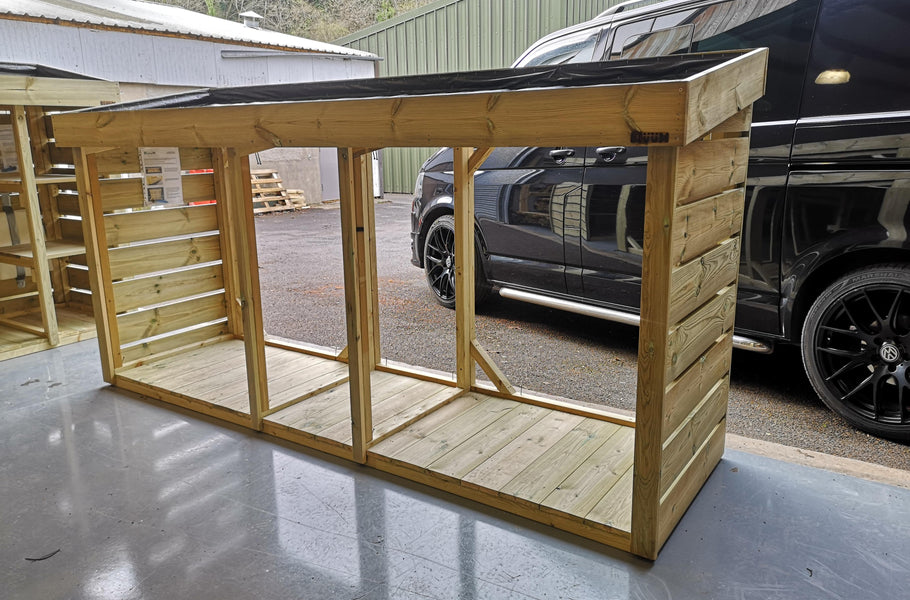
(609, 153)
(560, 155)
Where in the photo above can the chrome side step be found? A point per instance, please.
(607, 314)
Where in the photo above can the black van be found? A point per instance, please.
(825, 244)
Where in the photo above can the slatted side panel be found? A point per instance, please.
(59, 205)
(704, 251)
(167, 282)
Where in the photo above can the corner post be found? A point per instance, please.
(98, 261)
(358, 296)
(239, 197)
(652, 349)
(29, 191)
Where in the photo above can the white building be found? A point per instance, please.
(155, 49)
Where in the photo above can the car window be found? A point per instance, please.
(782, 26)
(859, 59)
(573, 48)
(659, 43)
(628, 36)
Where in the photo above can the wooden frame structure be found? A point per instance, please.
(176, 291)
(43, 307)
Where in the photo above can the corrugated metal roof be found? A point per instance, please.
(161, 19)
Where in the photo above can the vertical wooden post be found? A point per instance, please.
(239, 196)
(229, 251)
(357, 297)
(366, 214)
(98, 261)
(652, 349)
(464, 268)
(29, 192)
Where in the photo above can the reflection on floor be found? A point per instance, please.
(148, 501)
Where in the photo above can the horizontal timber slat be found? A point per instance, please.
(146, 291)
(675, 502)
(683, 443)
(68, 205)
(173, 342)
(689, 339)
(156, 321)
(78, 278)
(153, 224)
(709, 167)
(689, 388)
(121, 194)
(704, 224)
(132, 261)
(126, 160)
(697, 281)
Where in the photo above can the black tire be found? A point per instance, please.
(856, 349)
(439, 264)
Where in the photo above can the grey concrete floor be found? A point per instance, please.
(139, 500)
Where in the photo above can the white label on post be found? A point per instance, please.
(9, 160)
(161, 181)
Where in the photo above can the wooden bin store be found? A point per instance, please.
(42, 266)
(176, 290)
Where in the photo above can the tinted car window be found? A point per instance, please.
(783, 26)
(859, 59)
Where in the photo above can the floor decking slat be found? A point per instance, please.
(472, 452)
(615, 509)
(594, 478)
(442, 439)
(550, 469)
(390, 447)
(503, 466)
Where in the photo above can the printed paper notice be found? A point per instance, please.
(9, 161)
(161, 181)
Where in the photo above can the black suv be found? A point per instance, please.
(825, 244)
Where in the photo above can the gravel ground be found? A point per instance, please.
(539, 349)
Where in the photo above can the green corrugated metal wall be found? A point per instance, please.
(460, 35)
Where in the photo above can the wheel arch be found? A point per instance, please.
(796, 305)
(434, 212)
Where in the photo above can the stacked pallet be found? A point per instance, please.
(269, 194)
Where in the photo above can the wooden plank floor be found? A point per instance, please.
(73, 326)
(571, 471)
(538, 462)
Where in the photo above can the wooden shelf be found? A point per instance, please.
(21, 254)
(16, 179)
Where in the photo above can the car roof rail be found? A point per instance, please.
(628, 5)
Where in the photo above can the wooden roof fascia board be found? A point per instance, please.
(25, 90)
(719, 92)
(584, 116)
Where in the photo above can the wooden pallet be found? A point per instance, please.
(269, 195)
